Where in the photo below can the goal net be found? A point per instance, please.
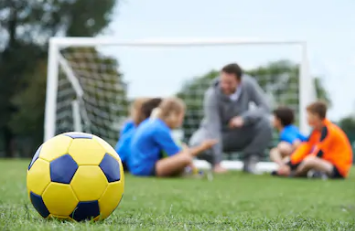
(91, 81)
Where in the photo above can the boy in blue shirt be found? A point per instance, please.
(154, 136)
(290, 135)
(142, 111)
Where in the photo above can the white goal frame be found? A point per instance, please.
(306, 83)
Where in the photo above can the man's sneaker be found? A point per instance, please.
(250, 165)
(246, 164)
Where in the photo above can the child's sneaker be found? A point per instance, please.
(193, 173)
(317, 175)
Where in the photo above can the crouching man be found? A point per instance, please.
(229, 119)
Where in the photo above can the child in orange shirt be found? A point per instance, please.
(327, 150)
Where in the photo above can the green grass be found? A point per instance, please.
(231, 202)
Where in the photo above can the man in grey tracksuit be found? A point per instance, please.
(229, 118)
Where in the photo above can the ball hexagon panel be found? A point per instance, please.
(63, 169)
(38, 177)
(60, 199)
(55, 147)
(86, 151)
(35, 157)
(86, 210)
(111, 168)
(111, 199)
(108, 149)
(78, 135)
(39, 205)
(89, 183)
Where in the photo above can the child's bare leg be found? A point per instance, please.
(275, 156)
(314, 163)
(285, 149)
(278, 153)
(184, 147)
(192, 166)
(173, 165)
(286, 159)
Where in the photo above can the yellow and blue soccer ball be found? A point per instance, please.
(75, 176)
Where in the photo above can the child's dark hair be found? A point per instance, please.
(318, 108)
(147, 108)
(136, 109)
(285, 115)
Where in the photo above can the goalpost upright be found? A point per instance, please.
(55, 61)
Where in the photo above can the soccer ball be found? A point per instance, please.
(75, 176)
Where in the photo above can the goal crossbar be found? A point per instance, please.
(82, 42)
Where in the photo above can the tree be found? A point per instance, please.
(26, 28)
(348, 125)
(278, 79)
(29, 117)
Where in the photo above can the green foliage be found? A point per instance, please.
(26, 26)
(348, 124)
(30, 103)
(34, 22)
(279, 79)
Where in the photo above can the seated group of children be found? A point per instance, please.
(326, 153)
(146, 145)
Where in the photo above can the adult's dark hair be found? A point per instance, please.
(234, 69)
(147, 108)
(318, 108)
(285, 115)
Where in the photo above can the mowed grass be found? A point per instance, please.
(234, 201)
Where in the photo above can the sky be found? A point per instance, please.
(326, 25)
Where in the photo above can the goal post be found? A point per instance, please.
(59, 66)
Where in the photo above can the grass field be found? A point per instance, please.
(231, 202)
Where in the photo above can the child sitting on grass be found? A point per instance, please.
(141, 110)
(290, 135)
(154, 136)
(327, 151)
